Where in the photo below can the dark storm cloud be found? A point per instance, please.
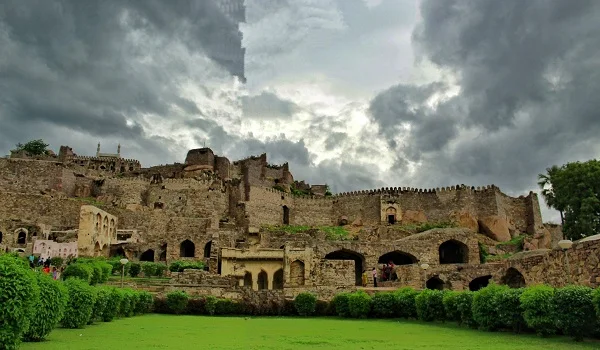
(529, 77)
(267, 105)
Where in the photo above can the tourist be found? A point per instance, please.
(375, 277)
(31, 259)
(46, 269)
(364, 278)
(392, 271)
(55, 273)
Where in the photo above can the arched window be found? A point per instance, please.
(453, 252)
(479, 282)
(207, 249)
(248, 279)
(435, 283)
(22, 237)
(263, 280)
(297, 273)
(513, 278)
(278, 279)
(344, 254)
(148, 255)
(187, 249)
(391, 215)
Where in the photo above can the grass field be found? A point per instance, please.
(198, 332)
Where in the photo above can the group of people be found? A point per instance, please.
(46, 265)
(388, 273)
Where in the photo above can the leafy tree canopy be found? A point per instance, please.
(34, 147)
(574, 190)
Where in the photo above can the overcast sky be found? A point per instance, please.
(358, 94)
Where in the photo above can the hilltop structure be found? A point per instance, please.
(259, 229)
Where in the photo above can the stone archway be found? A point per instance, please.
(435, 283)
(278, 279)
(97, 249)
(187, 249)
(297, 273)
(345, 254)
(513, 278)
(248, 279)
(390, 214)
(118, 252)
(207, 249)
(148, 255)
(479, 282)
(263, 280)
(22, 237)
(453, 252)
(398, 258)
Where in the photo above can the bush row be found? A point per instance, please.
(179, 265)
(32, 303)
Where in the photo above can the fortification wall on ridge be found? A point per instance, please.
(31, 176)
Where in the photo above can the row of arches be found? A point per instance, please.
(187, 249)
(263, 280)
(512, 278)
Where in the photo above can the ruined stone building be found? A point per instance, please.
(256, 227)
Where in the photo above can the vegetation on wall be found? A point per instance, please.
(574, 190)
(33, 147)
(334, 233)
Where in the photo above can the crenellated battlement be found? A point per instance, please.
(399, 190)
(103, 159)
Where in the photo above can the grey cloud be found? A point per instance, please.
(268, 105)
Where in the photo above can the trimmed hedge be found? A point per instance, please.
(485, 307)
(406, 305)
(149, 269)
(78, 270)
(359, 304)
(384, 305)
(430, 305)
(113, 304)
(102, 299)
(450, 301)
(145, 303)
(340, 304)
(464, 302)
(19, 295)
(134, 269)
(49, 308)
(575, 314)
(305, 304)
(510, 313)
(538, 309)
(81, 303)
(177, 301)
(179, 265)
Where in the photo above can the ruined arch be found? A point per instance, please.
(398, 258)
(187, 249)
(297, 273)
(513, 278)
(286, 215)
(263, 280)
(479, 282)
(163, 253)
(390, 214)
(453, 252)
(435, 283)
(97, 249)
(278, 279)
(148, 255)
(248, 279)
(22, 237)
(207, 249)
(345, 254)
(116, 252)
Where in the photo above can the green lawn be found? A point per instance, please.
(200, 332)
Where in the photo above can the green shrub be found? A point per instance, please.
(180, 265)
(56, 261)
(145, 303)
(538, 309)
(405, 302)
(510, 313)
(177, 301)
(430, 305)
(464, 302)
(359, 304)
(485, 307)
(125, 305)
(340, 303)
(106, 271)
(384, 305)
(81, 303)
(450, 301)
(78, 270)
(19, 294)
(97, 273)
(113, 304)
(305, 304)
(134, 269)
(149, 269)
(49, 308)
(102, 298)
(575, 314)
(160, 270)
(226, 307)
(210, 304)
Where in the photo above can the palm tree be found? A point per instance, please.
(545, 183)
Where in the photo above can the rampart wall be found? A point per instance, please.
(36, 208)
(33, 176)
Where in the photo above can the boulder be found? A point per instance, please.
(414, 217)
(495, 227)
(465, 219)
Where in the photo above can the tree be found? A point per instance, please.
(574, 190)
(34, 147)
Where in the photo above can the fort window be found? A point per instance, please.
(453, 252)
(435, 283)
(122, 169)
(297, 273)
(263, 281)
(102, 167)
(286, 215)
(148, 255)
(345, 254)
(207, 249)
(158, 205)
(22, 237)
(187, 249)
(479, 282)
(513, 278)
(130, 168)
(278, 279)
(391, 215)
(248, 279)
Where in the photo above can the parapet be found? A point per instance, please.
(399, 190)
